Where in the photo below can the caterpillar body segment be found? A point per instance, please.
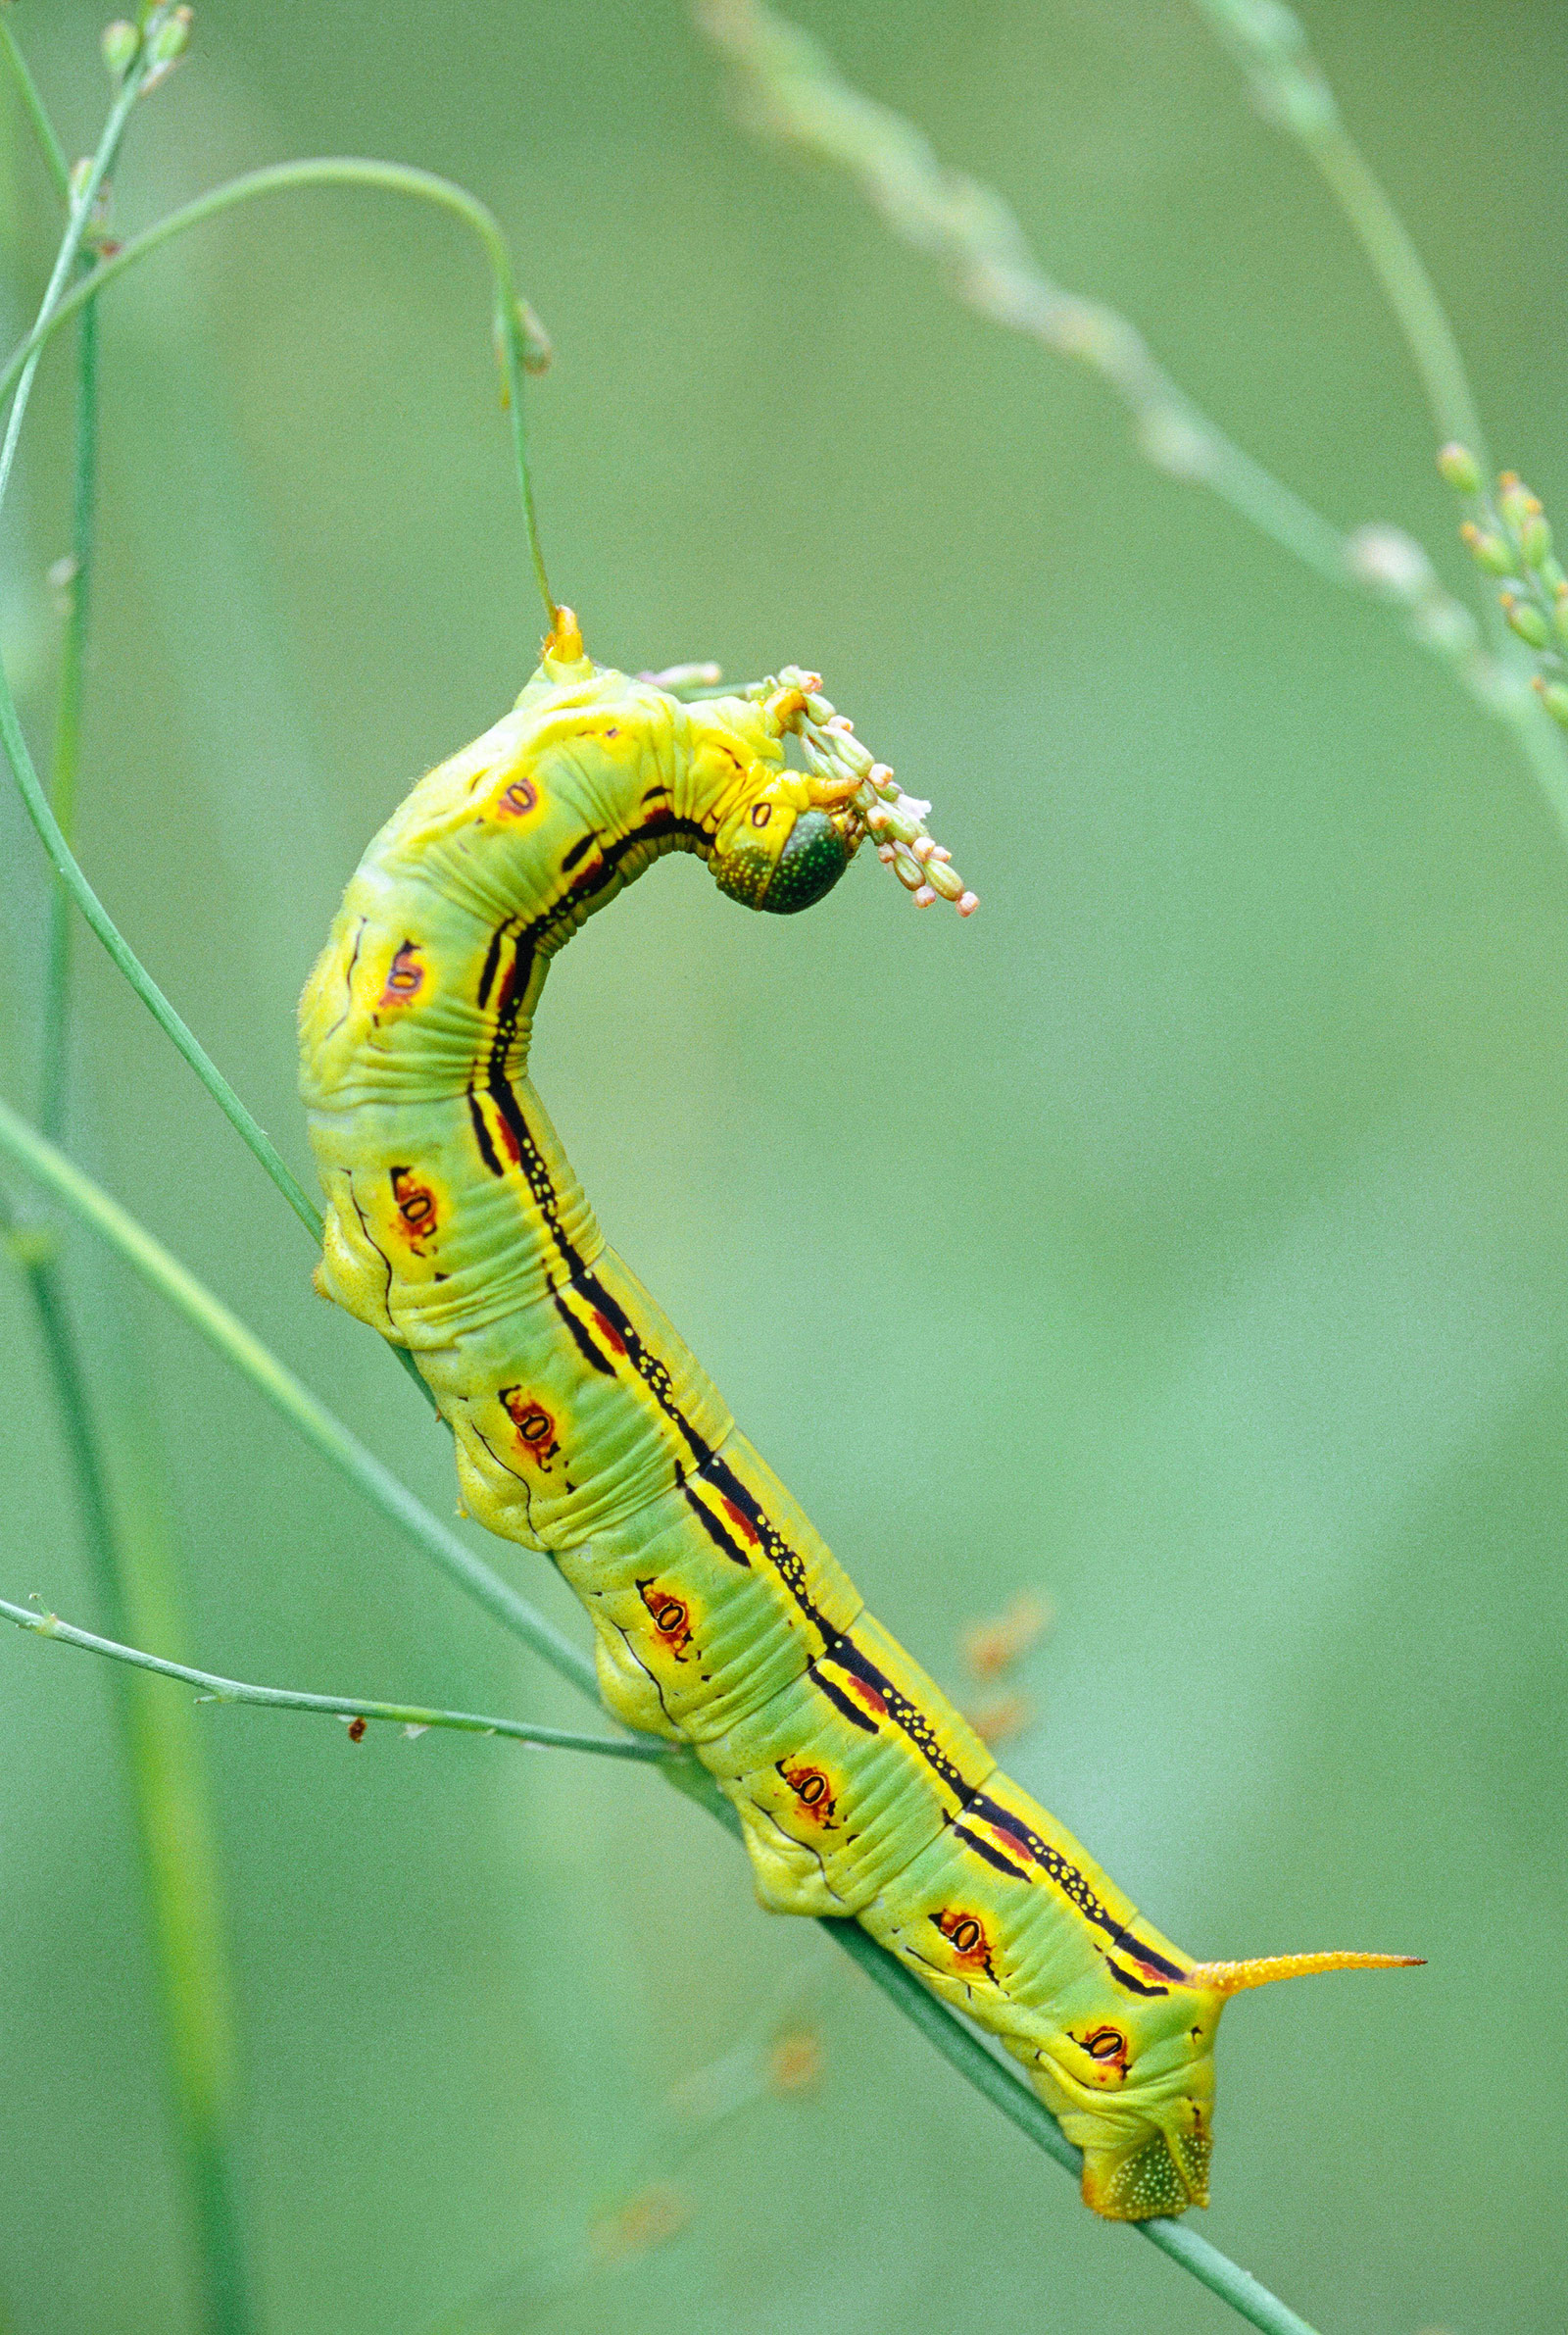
(583, 1426)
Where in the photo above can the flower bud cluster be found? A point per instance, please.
(156, 44)
(1509, 538)
(877, 804)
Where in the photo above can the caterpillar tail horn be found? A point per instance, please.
(1234, 1978)
(1147, 2149)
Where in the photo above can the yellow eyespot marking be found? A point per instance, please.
(814, 1789)
(536, 1430)
(405, 978)
(520, 801)
(670, 1616)
(419, 1218)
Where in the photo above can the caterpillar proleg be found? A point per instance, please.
(584, 1428)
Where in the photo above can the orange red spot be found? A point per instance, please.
(965, 1933)
(405, 976)
(670, 1616)
(740, 1520)
(517, 799)
(814, 1789)
(864, 1693)
(611, 1335)
(418, 1218)
(1016, 1846)
(536, 1430)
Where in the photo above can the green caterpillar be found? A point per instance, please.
(586, 1428)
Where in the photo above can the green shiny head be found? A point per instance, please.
(813, 858)
(775, 854)
(781, 838)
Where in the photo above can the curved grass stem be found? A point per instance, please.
(37, 113)
(514, 326)
(519, 337)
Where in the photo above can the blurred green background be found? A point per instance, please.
(1187, 1236)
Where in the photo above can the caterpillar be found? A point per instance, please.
(583, 1427)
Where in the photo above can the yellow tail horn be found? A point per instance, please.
(1233, 1978)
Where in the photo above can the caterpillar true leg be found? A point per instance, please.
(583, 1426)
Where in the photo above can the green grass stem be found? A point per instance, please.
(513, 320)
(66, 761)
(57, 308)
(1271, 46)
(215, 1689)
(173, 1830)
(37, 113)
(130, 1556)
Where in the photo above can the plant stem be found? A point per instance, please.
(131, 1569)
(178, 1865)
(1293, 92)
(76, 226)
(958, 2044)
(44, 129)
(347, 170)
(65, 763)
(285, 1697)
(340, 170)
(43, 817)
(184, 1040)
(1409, 288)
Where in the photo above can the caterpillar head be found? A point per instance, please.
(1135, 2089)
(782, 837)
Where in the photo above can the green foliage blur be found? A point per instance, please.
(1185, 1238)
